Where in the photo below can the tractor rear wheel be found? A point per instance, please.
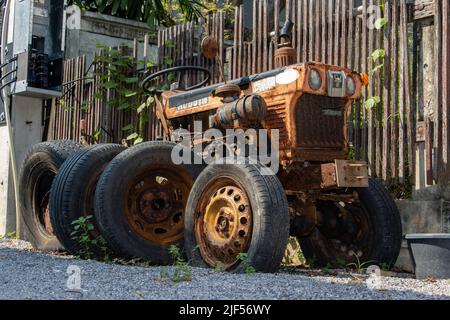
(236, 218)
(35, 181)
(72, 196)
(368, 231)
(140, 202)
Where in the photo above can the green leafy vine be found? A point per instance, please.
(119, 87)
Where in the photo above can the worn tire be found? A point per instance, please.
(35, 180)
(116, 214)
(386, 224)
(73, 191)
(270, 217)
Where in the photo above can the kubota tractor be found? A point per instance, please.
(235, 215)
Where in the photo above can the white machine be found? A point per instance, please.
(32, 55)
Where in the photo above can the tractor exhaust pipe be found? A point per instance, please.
(285, 55)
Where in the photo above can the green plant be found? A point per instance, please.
(219, 267)
(82, 233)
(358, 265)
(248, 268)
(164, 274)
(377, 56)
(401, 191)
(342, 263)
(310, 262)
(372, 103)
(119, 74)
(10, 235)
(226, 6)
(386, 266)
(351, 152)
(165, 12)
(182, 271)
(326, 269)
(137, 262)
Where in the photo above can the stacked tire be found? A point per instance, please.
(73, 196)
(37, 173)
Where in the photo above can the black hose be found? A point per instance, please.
(8, 62)
(146, 82)
(8, 83)
(3, 77)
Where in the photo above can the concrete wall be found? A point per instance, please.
(7, 213)
(421, 216)
(85, 30)
(27, 119)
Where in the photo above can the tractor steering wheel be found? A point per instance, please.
(147, 81)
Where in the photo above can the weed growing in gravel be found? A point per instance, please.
(137, 262)
(219, 267)
(358, 265)
(182, 271)
(10, 235)
(342, 263)
(88, 244)
(83, 227)
(327, 268)
(386, 266)
(164, 274)
(248, 268)
(310, 262)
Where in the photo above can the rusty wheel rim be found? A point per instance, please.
(156, 205)
(354, 246)
(45, 215)
(223, 228)
(41, 201)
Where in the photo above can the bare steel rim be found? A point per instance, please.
(223, 227)
(41, 199)
(346, 232)
(155, 206)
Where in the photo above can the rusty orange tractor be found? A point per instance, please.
(235, 215)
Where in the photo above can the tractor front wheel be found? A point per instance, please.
(367, 231)
(236, 218)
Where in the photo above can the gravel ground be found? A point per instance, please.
(26, 274)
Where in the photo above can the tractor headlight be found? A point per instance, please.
(315, 81)
(287, 77)
(351, 85)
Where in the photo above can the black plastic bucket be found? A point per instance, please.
(431, 255)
